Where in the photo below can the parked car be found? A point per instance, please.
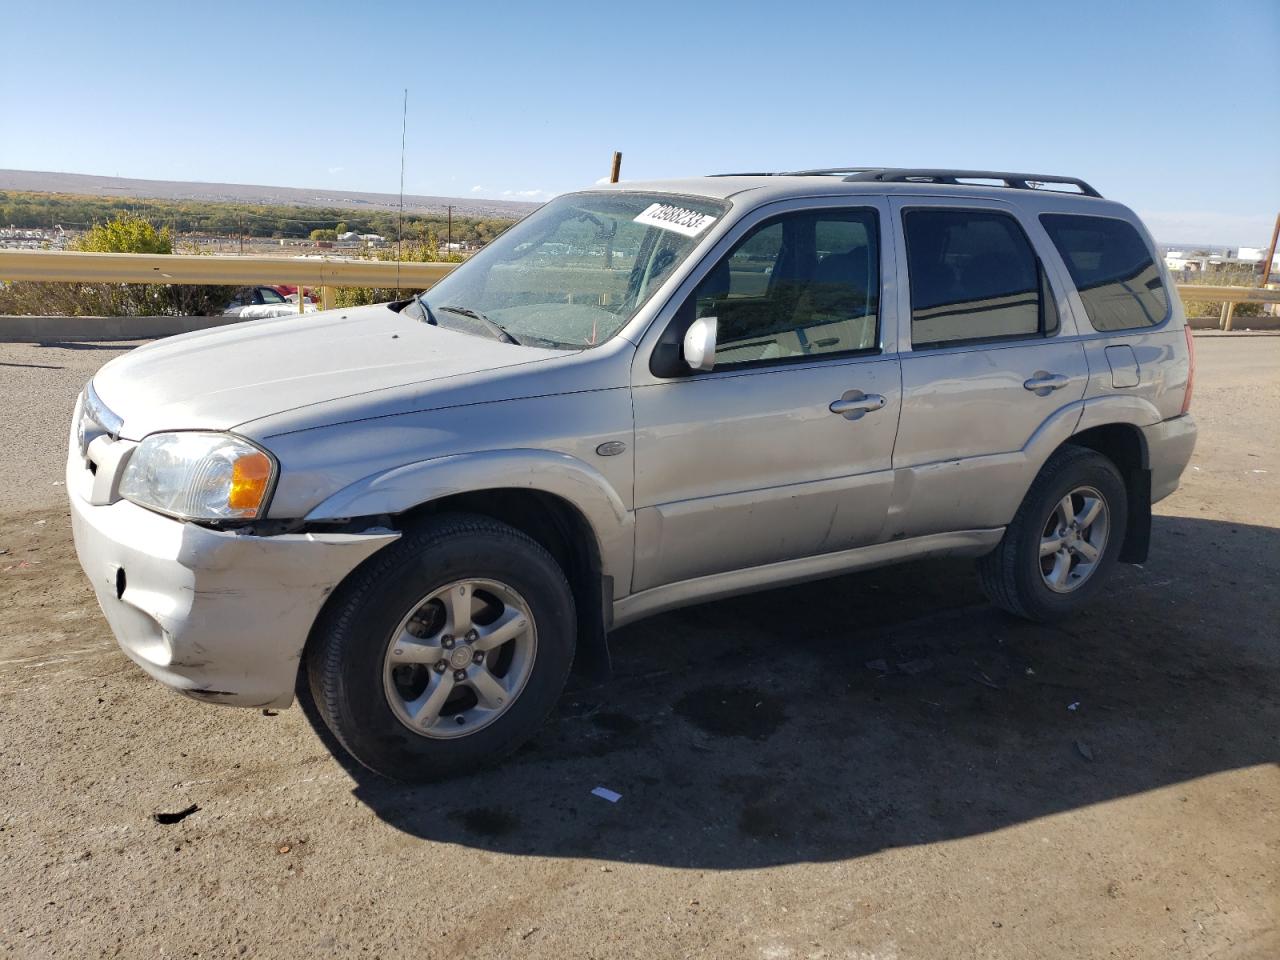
(419, 514)
(262, 303)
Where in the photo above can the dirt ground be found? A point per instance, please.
(908, 773)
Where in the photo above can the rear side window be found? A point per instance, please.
(1110, 265)
(974, 276)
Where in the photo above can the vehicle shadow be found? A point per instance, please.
(838, 718)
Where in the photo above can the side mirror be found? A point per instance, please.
(700, 344)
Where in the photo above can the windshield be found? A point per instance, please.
(574, 272)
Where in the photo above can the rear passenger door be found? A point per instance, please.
(989, 357)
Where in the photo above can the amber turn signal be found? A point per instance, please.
(250, 476)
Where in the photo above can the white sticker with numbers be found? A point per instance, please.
(667, 216)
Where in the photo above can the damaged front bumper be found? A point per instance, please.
(218, 615)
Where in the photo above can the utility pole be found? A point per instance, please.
(1271, 253)
(616, 170)
(241, 219)
(448, 247)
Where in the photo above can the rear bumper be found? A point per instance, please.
(1170, 444)
(219, 616)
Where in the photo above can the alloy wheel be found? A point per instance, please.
(1074, 539)
(459, 658)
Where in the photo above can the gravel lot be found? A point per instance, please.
(905, 778)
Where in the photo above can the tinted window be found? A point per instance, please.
(1112, 268)
(974, 276)
(801, 285)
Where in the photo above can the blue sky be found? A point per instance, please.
(1171, 107)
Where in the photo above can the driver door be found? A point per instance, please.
(748, 463)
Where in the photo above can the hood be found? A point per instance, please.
(220, 378)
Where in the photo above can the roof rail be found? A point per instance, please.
(830, 171)
(1017, 181)
(820, 172)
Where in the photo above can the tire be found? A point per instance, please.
(1017, 578)
(368, 699)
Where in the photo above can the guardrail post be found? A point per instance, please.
(326, 298)
(1228, 311)
(302, 298)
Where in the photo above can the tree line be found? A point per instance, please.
(73, 212)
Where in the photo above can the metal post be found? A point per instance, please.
(616, 170)
(326, 298)
(1224, 318)
(448, 247)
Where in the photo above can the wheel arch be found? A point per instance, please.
(564, 531)
(559, 501)
(1125, 445)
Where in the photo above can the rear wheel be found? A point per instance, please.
(1063, 541)
(446, 652)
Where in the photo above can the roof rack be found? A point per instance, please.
(1017, 181)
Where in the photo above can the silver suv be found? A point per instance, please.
(417, 514)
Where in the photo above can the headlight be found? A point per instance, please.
(199, 476)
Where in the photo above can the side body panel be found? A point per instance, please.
(972, 435)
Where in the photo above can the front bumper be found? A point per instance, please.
(218, 615)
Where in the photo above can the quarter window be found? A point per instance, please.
(1118, 280)
(801, 285)
(974, 276)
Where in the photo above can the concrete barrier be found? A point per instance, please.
(71, 329)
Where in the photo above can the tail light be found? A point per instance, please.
(1191, 368)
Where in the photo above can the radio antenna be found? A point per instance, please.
(404, 122)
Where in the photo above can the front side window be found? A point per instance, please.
(974, 276)
(1118, 280)
(575, 271)
(800, 285)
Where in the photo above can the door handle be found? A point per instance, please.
(855, 404)
(1043, 383)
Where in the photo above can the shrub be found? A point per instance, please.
(126, 233)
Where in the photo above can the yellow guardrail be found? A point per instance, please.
(64, 266)
(1228, 297)
(1207, 293)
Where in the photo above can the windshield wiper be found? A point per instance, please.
(496, 329)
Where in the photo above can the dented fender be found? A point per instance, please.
(414, 484)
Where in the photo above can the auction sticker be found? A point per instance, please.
(667, 216)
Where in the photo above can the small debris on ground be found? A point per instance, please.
(1073, 706)
(168, 818)
(270, 713)
(1084, 750)
(915, 667)
(604, 793)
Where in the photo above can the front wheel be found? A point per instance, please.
(444, 652)
(1063, 541)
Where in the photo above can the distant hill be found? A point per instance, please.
(87, 185)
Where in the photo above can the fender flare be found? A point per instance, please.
(402, 488)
